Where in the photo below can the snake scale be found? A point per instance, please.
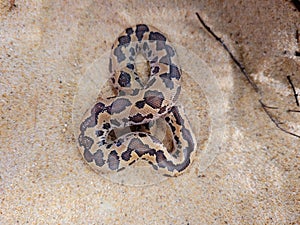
(137, 104)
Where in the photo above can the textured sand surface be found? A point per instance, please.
(246, 170)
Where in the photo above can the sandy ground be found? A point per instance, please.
(246, 170)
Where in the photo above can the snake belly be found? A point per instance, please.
(138, 104)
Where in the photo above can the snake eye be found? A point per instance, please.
(155, 70)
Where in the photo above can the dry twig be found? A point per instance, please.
(243, 70)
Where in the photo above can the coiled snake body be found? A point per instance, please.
(138, 104)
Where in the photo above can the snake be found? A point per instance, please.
(139, 104)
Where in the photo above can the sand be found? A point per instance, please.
(246, 170)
